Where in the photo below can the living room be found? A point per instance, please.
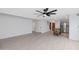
(31, 29)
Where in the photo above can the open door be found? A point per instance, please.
(52, 26)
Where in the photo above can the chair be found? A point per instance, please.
(57, 32)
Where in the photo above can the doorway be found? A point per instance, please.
(52, 26)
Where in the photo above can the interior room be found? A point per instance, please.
(39, 28)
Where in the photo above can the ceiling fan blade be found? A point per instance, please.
(48, 14)
(52, 11)
(39, 11)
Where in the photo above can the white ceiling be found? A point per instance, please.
(30, 12)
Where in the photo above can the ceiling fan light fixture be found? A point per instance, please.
(46, 12)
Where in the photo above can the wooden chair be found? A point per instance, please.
(57, 32)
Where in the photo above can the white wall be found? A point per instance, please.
(13, 26)
(34, 24)
(42, 26)
(74, 28)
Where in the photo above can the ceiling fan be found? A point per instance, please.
(46, 12)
